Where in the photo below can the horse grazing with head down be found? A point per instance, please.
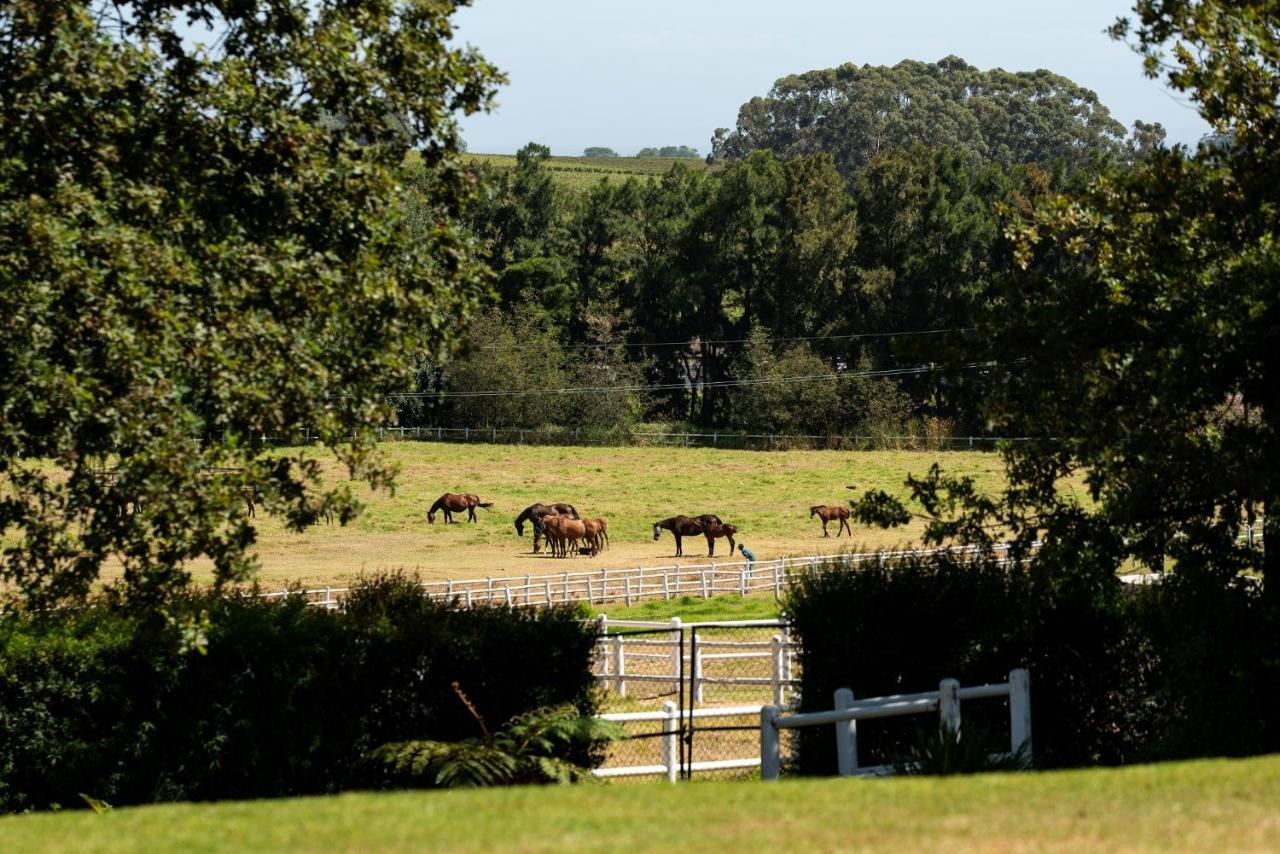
(685, 526)
(534, 514)
(561, 532)
(451, 503)
(826, 514)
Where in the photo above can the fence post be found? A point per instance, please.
(777, 583)
(949, 707)
(591, 599)
(527, 591)
(626, 588)
(468, 598)
(677, 654)
(448, 589)
(488, 591)
(775, 669)
(1020, 711)
(786, 653)
(328, 597)
(546, 590)
(669, 746)
(619, 666)
(742, 584)
(696, 688)
(704, 584)
(506, 594)
(846, 735)
(566, 586)
(666, 586)
(770, 756)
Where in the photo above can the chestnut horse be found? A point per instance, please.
(561, 531)
(686, 526)
(597, 533)
(451, 503)
(826, 514)
(534, 513)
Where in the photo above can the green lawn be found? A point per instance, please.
(690, 609)
(1201, 806)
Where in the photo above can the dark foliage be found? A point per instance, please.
(279, 698)
(1118, 674)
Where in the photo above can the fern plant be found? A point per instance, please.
(942, 751)
(529, 749)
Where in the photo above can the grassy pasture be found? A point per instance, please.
(766, 494)
(580, 173)
(1208, 805)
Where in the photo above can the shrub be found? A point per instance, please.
(1188, 667)
(282, 701)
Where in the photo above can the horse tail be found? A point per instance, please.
(484, 503)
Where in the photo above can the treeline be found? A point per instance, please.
(803, 287)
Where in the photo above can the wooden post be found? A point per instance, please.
(626, 589)
(506, 594)
(468, 598)
(704, 584)
(696, 688)
(1020, 711)
(742, 585)
(775, 668)
(670, 748)
(949, 707)
(527, 591)
(488, 591)
(666, 586)
(777, 583)
(546, 590)
(619, 666)
(566, 586)
(846, 736)
(770, 756)
(677, 653)
(591, 599)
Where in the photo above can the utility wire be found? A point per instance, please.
(710, 341)
(888, 372)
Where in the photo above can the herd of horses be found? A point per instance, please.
(565, 531)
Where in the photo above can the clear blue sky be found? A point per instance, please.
(666, 72)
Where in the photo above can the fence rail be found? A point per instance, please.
(626, 586)
(847, 711)
(715, 439)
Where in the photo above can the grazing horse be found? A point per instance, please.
(597, 533)
(713, 530)
(684, 526)
(561, 531)
(826, 514)
(534, 513)
(602, 534)
(451, 503)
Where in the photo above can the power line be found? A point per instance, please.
(888, 372)
(712, 341)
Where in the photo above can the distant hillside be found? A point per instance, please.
(579, 173)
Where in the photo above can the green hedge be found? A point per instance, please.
(281, 700)
(1119, 674)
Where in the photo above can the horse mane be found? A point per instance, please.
(439, 503)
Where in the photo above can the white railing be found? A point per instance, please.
(626, 586)
(669, 754)
(847, 712)
(665, 660)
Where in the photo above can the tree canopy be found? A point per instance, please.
(857, 112)
(205, 245)
(1135, 341)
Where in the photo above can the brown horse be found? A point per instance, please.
(826, 514)
(714, 530)
(561, 532)
(685, 526)
(451, 503)
(534, 513)
(597, 533)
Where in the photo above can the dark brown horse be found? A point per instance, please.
(534, 513)
(714, 530)
(826, 514)
(451, 503)
(685, 526)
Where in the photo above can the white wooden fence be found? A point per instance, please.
(626, 586)
(847, 712)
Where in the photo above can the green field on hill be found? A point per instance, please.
(579, 173)
(1228, 805)
(766, 494)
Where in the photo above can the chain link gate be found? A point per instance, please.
(733, 670)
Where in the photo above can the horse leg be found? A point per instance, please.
(824, 528)
(679, 550)
(732, 545)
(844, 525)
(711, 546)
